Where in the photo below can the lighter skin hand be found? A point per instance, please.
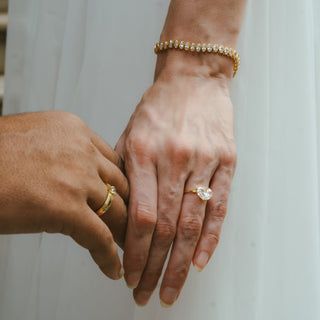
(176, 140)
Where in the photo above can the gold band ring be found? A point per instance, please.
(204, 194)
(111, 191)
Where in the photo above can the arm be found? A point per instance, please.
(180, 137)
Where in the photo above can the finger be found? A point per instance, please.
(170, 193)
(188, 233)
(215, 214)
(116, 220)
(91, 233)
(142, 219)
(106, 150)
(112, 175)
(116, 216)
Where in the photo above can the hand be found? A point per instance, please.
(52, 172)
(179, 137)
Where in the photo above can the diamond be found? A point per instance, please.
(204, 194)
(193, 46)
(170, 44)
(181, 45)
(176, 44)
(221, 48)
(165, 45)
(209, 48)
(198, 47)
(161, 46)
(187, 46)
(204, 48)
(226, 50)
(215, 48)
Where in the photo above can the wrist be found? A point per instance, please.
(177, 63)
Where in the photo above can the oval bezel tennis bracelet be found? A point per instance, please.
(200, 47)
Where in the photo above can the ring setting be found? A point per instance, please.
(204, 194)
(111, 191)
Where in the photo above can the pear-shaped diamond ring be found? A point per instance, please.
(204, 194)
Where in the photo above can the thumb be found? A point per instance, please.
(91, 233)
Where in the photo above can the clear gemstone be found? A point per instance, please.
(176, 44)
(204, 194)
(226, 51)
(112, 190)
(221, 48)
(198, 48)
(209, 48)
(187, 46)
(181, 45)
(193, 46)
(230, 52)
(215, 48)
(165, 45)
(161, 45)
(204, 48)
(170, 44)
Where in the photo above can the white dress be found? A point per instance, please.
(95, 58)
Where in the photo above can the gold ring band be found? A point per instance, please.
(111, 191)
(204, 194)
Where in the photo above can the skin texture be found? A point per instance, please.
(181, 137)
(52, 173)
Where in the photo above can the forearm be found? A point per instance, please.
(202, 21)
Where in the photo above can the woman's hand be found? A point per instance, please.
(52, 172)
(179, 137)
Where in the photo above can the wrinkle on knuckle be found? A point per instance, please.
(190, 227)
(213, 238)
(135, 261)
(177, 275)
(164, 233)
(144, 217)
(220, 209)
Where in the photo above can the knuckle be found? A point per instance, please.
(71, 118)
(212, 238)
(190, 227)
(229, 155)
(181, 150)
(177, 275)
(134, 261)
(164, 233)
(138, 144)
(220, 209)
(144, 217)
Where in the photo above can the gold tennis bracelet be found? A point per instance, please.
(200, 47)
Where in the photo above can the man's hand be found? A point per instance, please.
(53, 170)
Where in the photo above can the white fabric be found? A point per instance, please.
(95, 58)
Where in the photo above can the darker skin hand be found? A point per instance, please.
(52, 172)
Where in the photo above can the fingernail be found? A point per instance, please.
(121, 273)
(142, 298)
(170, 295)
(202, 261)
(132, 280)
